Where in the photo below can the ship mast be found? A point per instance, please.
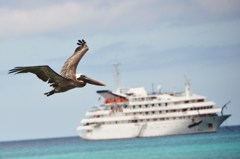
(187, 88)
(117, 76)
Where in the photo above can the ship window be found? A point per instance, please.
(166, 104)
(185, 109)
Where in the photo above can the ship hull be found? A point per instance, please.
(203, 124)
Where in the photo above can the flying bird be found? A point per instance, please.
(67, 79)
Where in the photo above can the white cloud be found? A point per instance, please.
(111, 17)
(65, 15)
(40, 20)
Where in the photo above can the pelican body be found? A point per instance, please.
(67, 79)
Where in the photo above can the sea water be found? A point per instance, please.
(225, 144)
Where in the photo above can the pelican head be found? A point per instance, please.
(86, 79)
(78, 75)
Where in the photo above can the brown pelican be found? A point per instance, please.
(68, 78)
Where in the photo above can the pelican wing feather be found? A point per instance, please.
(70, 66)
(44, 72)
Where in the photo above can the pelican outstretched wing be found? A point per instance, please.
(70, 66)
(44, 73)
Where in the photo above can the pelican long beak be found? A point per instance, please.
(90, 81)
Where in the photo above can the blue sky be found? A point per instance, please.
(156, 42)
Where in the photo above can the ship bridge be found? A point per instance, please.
(112, 97)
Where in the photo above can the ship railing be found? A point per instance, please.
(175, 94)
(99, 107)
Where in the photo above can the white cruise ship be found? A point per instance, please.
(135, 113)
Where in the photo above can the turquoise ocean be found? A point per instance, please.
(225, 144)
